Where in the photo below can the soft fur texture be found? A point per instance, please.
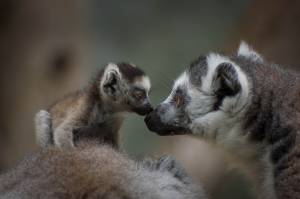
(91, 171)
(246, 105)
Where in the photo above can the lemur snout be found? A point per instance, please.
(155, 124)
(144, 110)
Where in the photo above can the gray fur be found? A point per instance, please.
(96, 172)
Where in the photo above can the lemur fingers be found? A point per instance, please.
(43, 128)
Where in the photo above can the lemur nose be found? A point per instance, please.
(161, 109)
(150, 121)
(150, 108)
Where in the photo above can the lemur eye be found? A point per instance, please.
(139, 94)
(178, 100)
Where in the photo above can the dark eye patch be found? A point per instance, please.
(139, 93)
(179, 98)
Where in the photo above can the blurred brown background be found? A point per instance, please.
(49, 48)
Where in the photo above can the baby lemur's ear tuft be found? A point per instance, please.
(111, 81)
(226, 81)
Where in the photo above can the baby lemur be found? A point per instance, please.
(246, 105)
(96, 111)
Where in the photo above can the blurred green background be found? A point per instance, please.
(49, 48)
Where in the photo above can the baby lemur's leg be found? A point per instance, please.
(43, 128)
(64, 134)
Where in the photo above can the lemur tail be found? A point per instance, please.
(43, 130)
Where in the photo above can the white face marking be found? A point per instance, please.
(143, 82)
(221, 124)
(246, 51)
(180, 81)
(133, 65)
(203, 119)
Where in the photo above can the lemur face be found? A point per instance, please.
(208, 97)
(127, 87)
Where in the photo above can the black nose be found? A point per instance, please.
(149, 109)
(155, 124)
(143, 110)
(147, 118)
(151, 121)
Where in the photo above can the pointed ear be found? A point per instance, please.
(226, 81)
(246, 51)
(111, 81)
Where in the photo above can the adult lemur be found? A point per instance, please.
(96, 111)
(92, 170)
(248, 106)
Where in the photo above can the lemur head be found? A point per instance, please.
(208, 98)
(126, 87)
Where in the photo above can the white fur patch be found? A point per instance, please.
(204, 120)
(246, 51)
(43, 128)
(183, 79)
(144, 82)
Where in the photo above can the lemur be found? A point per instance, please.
(96, 111)
(246, 105)
(93, 171)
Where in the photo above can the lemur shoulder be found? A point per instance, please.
(246, 105)
(97, 110)
(95, 171)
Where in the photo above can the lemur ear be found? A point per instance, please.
(111, 81)
(246, 51)
(226, 81)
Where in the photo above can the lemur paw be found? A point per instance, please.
(63, 138)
